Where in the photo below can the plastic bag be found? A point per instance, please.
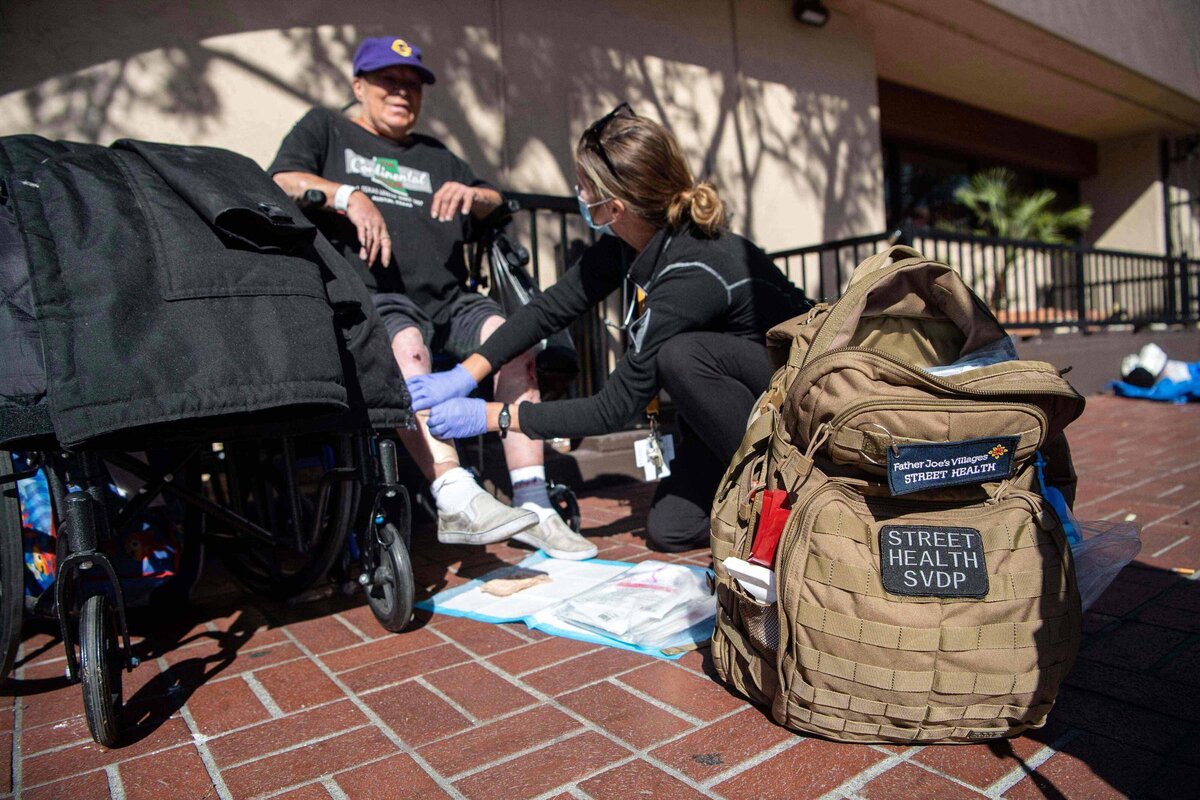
(37, 533)
(645, 605)
(145, 555)
(1172, 389)
(1100, 548)
(995, 353)
(1105, 549)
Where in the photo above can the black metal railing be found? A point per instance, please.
(823, 270)
(1027, 283)
(553, 230)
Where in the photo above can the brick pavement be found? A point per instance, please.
(245, 699)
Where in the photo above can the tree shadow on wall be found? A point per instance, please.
(831, 153)
(104, 102)
(817, 145)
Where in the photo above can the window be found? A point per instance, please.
(920, 183)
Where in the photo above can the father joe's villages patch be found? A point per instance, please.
(913, 467)
(932, 561)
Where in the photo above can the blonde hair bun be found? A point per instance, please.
(701, 204)
(639, 162)
(708, 211)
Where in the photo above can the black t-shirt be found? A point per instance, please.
(401, 178)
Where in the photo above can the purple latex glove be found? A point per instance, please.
(459, 418)
(438, 387)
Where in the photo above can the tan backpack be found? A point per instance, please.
(925, 589)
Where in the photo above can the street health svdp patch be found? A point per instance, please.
(932, 561)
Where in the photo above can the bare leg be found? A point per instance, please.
(516, 383)
(434, 457)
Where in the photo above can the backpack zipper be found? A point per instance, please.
(1032, 501)
(839, 311)
(933, 380)
(794, 523)
(845, 415)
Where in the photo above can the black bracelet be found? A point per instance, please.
(504, 420)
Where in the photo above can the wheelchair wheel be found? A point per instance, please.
(12, 568)
(260, 481)
(389, 586)
(563, 498)
(100, 662)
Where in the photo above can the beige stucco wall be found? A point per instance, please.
(782, 117)
(1158, 38)
(808, 127)
(1126, 196)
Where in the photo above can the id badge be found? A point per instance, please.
(653, 454)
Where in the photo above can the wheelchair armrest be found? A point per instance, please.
(483, 230)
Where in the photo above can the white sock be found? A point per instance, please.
(529, 491)
(454, 489)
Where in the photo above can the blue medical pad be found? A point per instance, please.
(534, 605)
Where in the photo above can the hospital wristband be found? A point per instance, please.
(341, 199)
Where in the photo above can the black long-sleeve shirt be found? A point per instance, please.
(692, 283)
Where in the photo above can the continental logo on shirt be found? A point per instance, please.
(388, 173)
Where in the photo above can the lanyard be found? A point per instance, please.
(652, 406)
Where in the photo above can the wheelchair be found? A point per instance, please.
(282, 514)
(287, 491)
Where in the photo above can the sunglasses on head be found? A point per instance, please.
(591, 136)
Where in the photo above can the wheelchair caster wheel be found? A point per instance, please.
(389, 585)
(100, 663)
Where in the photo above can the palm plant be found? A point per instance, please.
(1001, 211)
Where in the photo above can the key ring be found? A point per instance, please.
(891, 443)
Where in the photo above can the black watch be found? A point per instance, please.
(504, 420)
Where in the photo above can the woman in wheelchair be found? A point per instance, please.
(705, 299)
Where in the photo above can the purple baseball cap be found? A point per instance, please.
(378, 52)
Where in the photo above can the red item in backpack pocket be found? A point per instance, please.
(771, 520)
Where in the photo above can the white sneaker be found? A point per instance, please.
(482, 521)
(557, 540)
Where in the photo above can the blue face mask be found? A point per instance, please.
(586, 213)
